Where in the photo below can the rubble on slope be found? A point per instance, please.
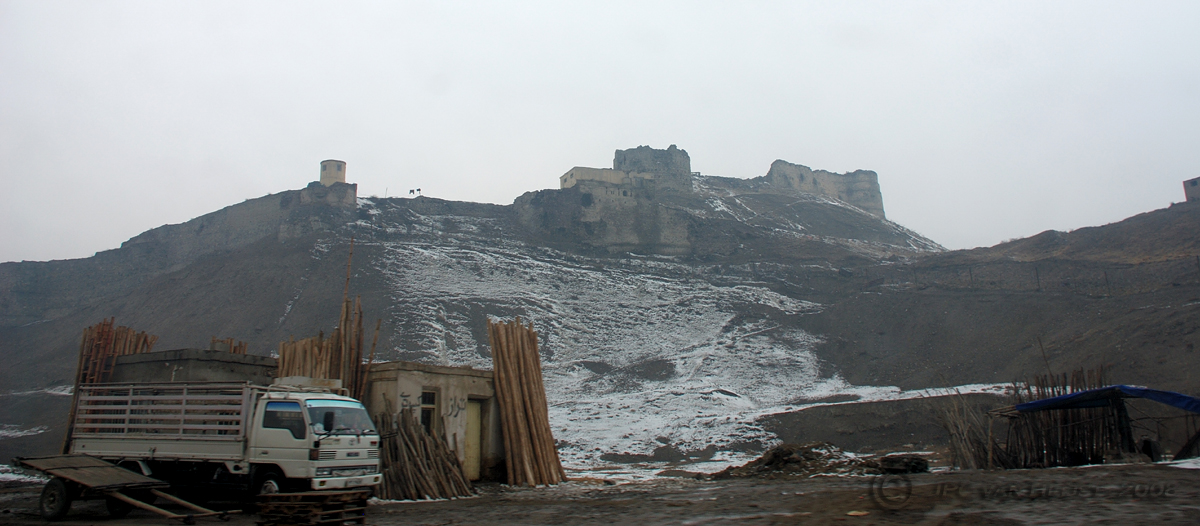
(821, 458)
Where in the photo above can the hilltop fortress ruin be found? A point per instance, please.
(642, 170)
(650, 201)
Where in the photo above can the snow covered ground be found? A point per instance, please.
(11, 474)
(638, 352)
(15, 431)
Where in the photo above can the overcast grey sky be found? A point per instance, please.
(985, 120)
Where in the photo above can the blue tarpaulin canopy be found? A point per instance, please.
(1106, 395)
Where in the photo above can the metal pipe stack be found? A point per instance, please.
(530, 456)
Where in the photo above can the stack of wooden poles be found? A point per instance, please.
(228, 344)
(102, 344)
(530, 456)
(339, 357)
(417, 466)
(1066, 436)
(99, 348)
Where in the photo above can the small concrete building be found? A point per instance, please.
(333, 171)
(458, 403)
(193, 365)
(1191, 189)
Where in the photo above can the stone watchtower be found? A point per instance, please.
(1191, 189)
(333, 171)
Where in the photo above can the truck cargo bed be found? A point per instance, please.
(195, 421)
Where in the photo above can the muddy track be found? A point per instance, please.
(1129, 494)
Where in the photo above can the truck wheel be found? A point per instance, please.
(269, 483)
(55, 501)
(265, 483)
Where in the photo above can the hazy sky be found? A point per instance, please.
(985, 120)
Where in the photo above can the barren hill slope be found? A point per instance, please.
(650, 329)
(1124, 295)
(1161, 235)
(682, 326)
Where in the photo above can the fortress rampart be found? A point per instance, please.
(859, 188)
(639, 172)
(641, 167)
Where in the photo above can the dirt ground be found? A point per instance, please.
(1128, 494)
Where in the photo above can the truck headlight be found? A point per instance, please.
(324, 472)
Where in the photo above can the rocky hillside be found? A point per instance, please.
(1125, 295)
(673, 319)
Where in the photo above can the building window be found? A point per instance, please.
(428, 409)
(1195, 182)
(339, 167)
(323, 167)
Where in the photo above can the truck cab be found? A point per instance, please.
(321, 440)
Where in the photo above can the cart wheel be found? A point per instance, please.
(117, 508)
(55, 501)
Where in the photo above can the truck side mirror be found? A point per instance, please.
(328, 422)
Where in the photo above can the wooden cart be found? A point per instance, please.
(76, 477)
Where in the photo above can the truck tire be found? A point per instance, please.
(268, 483)
(265, 482)
(55, 501)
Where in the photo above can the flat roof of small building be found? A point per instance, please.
(426, 368)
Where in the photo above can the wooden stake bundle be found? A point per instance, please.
(340, 357)
(230, 344)
(416, 466)
(1070, 436)
(98, 351)
(102, 344)
(530, 455)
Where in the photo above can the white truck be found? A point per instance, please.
(230, 436)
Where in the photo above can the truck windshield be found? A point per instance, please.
(347, 418)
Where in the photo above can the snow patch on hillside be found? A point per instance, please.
(639, 352)
(15, 431)
(58, 390)
(636, 354)
(9, 474)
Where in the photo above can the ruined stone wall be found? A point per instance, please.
(859, 188)
(649, 160)
(605, 175)
(611, 218)
(246, 222)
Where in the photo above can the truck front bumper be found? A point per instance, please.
(346, 482)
